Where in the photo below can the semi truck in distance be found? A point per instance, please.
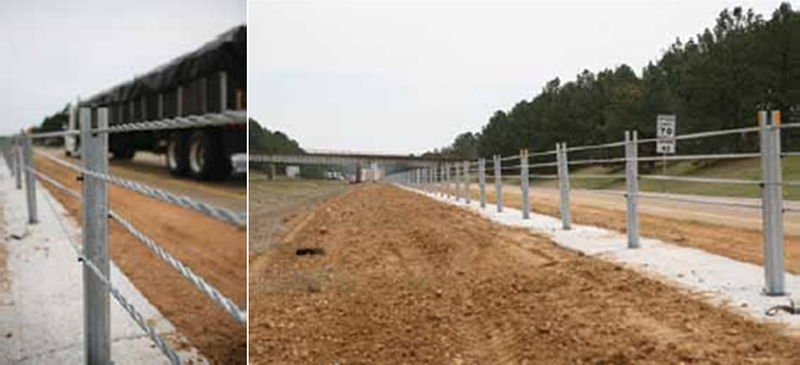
(203, 94)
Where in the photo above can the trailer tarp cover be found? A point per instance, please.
(228, 52)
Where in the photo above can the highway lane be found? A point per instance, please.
(733, 216)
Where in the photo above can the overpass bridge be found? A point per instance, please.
(357, 166)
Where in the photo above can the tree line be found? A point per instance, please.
(263, 141)
(717, 80)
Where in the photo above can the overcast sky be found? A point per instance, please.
(408, 76)
(53, 51)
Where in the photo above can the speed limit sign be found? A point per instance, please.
(665, 134)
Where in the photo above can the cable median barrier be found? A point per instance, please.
(94, 202)
(768, 128)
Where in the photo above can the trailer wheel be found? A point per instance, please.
(123, 153)
(177, 154)
(207, 158)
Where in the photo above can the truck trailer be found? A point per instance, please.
(208, 83)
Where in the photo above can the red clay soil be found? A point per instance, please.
(406, 280)
(212, 249)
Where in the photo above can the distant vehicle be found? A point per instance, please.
(292, 171)
(334, 175)
(207, 81)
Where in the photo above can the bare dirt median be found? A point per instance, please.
(406, 280)
(212, 249)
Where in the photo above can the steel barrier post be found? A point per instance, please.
(429, 180)
(482, 180)
(429, 185)
(525, 184)
(467, 197)
(441, 179)
(447, 169)
(772, 202)
(632, 183)
(458, 181)
(424, 186)
(498, 183)
(563, 184)
(17, 161)
(30, 178)
(94, 155)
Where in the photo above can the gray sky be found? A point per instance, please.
(408, 76)
(53, 51)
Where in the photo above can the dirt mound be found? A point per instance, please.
(406, 280)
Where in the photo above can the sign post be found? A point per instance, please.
(665, 144)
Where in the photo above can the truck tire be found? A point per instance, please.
(207, 158)
(177, 154)
(123, 153)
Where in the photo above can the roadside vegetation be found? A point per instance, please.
(717, 80)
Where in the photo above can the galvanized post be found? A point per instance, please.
(447, 174)
(524, 184)
(482, 181)
(431, 179)
(467, 193)
(457, 179)
(563, 184)
(429, 187)
(18, 161)
(422, 179)
(30, 179)
(427, 180)
(498, 183)
(772, 202)
(441, 180)
(97, 325)
(632, 182)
